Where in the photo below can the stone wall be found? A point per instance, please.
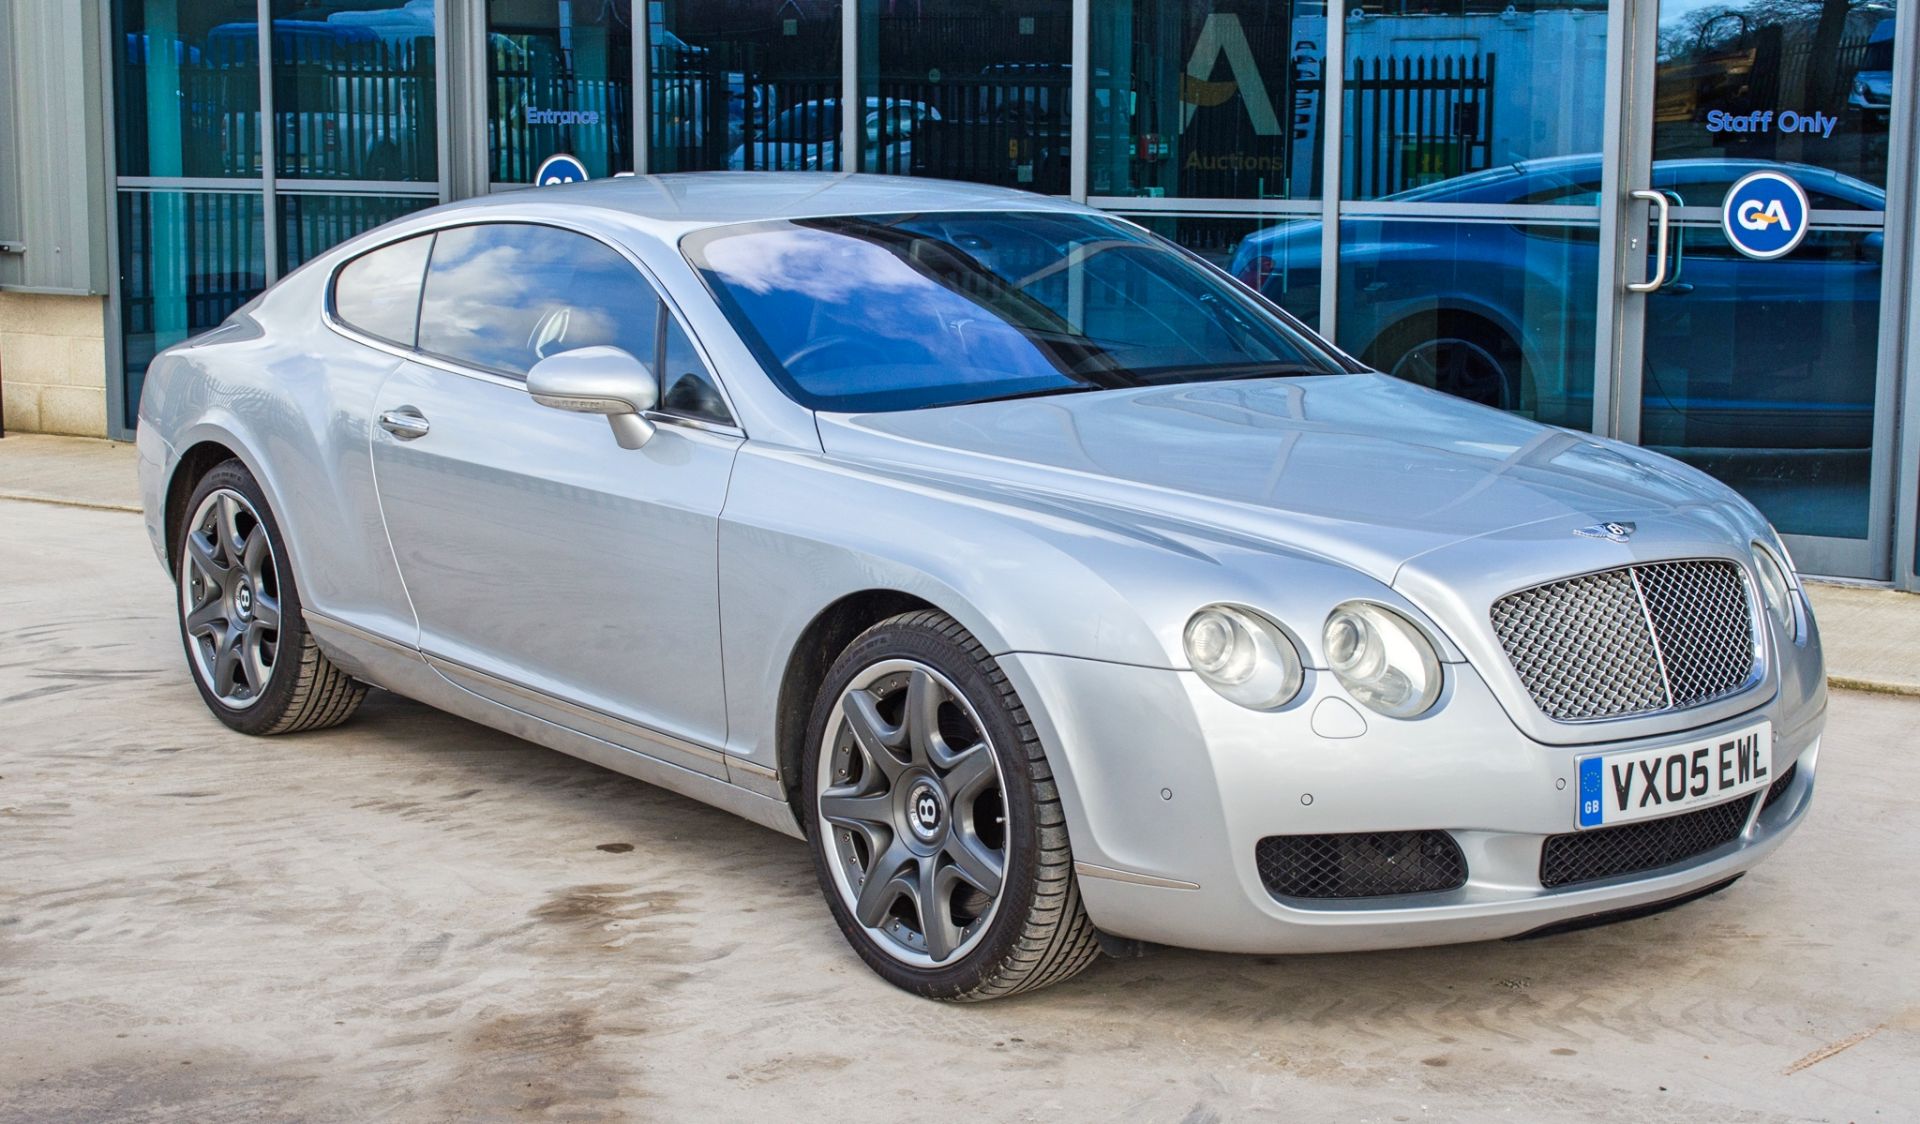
(53, 364)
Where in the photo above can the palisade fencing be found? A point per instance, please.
(311, 224)
(747, 99)
(1415, 121)
(525, 80)
(219, 102)
(1007, 127)
(984, 98)
(355, 109)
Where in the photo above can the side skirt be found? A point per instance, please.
(404, 671)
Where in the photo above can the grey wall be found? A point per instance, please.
(53, 200)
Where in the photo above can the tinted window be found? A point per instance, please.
(894, 312)
(690, 389)
(379, 293)
(503, 296)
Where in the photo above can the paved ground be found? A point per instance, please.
(78, 470)
(414, 918)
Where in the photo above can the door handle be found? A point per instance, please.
(1660, 208)
(406, 423)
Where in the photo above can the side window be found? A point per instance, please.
(379, 292)
(502, 296)
(690, 390)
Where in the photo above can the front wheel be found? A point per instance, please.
(935, 821)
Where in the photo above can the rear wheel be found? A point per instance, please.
(934, 819)
(256, 665)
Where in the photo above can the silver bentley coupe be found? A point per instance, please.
(1061, 592)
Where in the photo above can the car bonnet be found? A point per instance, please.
(1363, 469)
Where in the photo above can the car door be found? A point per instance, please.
(552, 570)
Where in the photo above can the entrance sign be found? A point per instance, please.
(1765, 215)
(560, 168)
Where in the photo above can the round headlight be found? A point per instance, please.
(1382, 659)
(1777, 589)
(1243, 656)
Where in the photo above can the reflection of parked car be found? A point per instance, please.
(806, 137)
(1871, 95)
(1499, 313)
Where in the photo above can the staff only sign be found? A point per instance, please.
(1763, 121)
(1765, 215)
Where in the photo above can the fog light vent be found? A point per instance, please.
(1368, 864)
(1779, 788)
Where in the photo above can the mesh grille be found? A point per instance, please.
(1779, 787)
(1634, 640)
(1699, 611)
(1362, 865)
(1608, 852)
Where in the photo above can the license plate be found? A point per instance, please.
(1640, 784)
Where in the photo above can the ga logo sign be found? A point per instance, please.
(560, 168)
(1765, 215)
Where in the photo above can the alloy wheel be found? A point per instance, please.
(912, 812)
(230, 599)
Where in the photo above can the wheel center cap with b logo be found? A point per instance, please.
(926, 811)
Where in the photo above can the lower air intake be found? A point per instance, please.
(1609, 852)
(1370, 864)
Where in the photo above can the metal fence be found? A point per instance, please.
(518, 144)
(355, 110)
(1415, 121)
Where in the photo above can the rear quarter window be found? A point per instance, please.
(379, 292)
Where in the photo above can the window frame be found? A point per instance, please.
(330, 317)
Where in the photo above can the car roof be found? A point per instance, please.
(675, 203)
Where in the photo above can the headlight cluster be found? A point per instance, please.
(1243, 656)
(1380, 657)
(1777, 589)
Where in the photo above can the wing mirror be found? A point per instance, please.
(599, 380)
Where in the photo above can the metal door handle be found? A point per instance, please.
(406, 423)
(1660, 207)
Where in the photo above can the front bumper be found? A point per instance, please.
(1168, 788)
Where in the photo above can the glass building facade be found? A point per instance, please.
(1447, 188)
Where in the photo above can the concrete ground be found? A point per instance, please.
(414, 918)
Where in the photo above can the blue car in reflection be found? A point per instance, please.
(1739, 353)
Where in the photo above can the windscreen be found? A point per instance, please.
(898, 312)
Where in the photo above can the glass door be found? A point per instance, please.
(1751, 236)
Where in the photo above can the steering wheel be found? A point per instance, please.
(814, 350)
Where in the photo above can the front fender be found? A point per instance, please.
(1022, 572)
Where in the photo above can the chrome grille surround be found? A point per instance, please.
(1633, 640)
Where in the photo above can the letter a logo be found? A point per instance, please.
(1223, 35)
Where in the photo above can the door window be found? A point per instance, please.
(503, 296)
(379, 293)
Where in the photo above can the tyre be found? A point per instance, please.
(1458, 354)
(934, 820)
(255, 663)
